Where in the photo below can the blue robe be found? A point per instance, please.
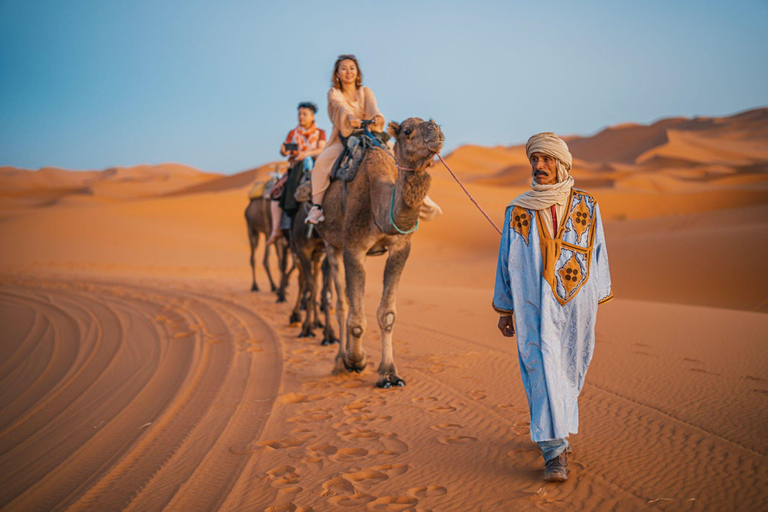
(553, 288)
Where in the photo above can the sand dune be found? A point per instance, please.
(48, 186)
(139, 373)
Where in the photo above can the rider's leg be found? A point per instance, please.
(277, 213)
(321, 179)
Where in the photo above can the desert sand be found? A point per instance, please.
(140, 373)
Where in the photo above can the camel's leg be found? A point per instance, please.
(354, 266)
(307, 293)
(282, 263)
(253, 238)
(387, 313)
(266, 268)
(296, 313)
(317, 276)
(342, 305)
(328, 335)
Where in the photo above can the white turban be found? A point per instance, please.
(544, 196)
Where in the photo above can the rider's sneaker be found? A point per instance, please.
(315, 215)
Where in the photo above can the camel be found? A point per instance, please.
(259, 221)
(310, 253)
(380, 212)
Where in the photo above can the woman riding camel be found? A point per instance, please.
(349, 102)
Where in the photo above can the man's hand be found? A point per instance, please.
(300, 156)
(507, 325)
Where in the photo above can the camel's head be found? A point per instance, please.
(417, 141)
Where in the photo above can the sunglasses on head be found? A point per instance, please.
(345, 57)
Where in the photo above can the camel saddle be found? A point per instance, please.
(346, 165)
(261, 189)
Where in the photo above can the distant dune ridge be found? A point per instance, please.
(730, 150)
(140, 373)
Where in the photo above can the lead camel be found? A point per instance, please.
(381, 211)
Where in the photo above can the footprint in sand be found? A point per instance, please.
(392, 503)
(761, 391)
(427, 492)
(522, 428)
(284, 498)
(456, 439)
(756, 379)
(645, 354)
(338, 486)
(392, 469)
(477, 395)
(283, 476)
(441, 409)
(348, 454)
(280, 444)
(510, 407)
(446, 427)
(356, 500)
(360, 434)
(365, 477)
(423, 400)
(356, 406)
(321, 450)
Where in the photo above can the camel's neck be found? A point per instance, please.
(410, 190)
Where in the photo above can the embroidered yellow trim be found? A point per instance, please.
(606, 299)
(520, 220)
(551, 248)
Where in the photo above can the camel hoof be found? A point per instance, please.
(295, 318)
(387, 381)
(319, 324)
(307, 333)
(254, 287)
(272, 288)
(355, 366)
(329, 340)
(281, 300)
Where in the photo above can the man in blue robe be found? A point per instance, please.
(551, 275)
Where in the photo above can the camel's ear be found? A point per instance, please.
(393, 129)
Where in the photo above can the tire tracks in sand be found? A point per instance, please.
(137, 399)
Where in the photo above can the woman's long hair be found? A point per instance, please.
(335, 82)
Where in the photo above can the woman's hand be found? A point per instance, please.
(378, 121)
(354, 121)
(301, 155)
(507, 325)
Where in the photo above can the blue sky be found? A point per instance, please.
(87, 84)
